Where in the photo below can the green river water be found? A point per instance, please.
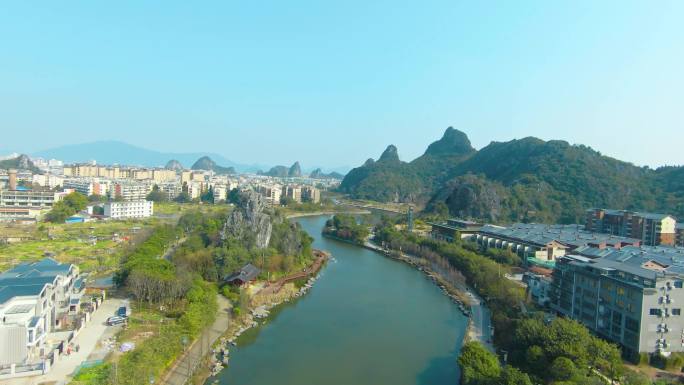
(368, 320)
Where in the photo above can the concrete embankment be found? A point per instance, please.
(479, 318)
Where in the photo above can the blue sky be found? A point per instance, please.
(332, 83)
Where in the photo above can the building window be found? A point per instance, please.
(676, 311)
(656, 312)
(631, 324)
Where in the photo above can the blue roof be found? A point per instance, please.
(9, 292)
(30, 279)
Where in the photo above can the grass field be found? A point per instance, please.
(93, 246)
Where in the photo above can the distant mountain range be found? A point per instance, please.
(521, 180)
(115, 152)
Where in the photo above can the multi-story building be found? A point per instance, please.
(34, 297)
(171, 190)
(29, 198)
(117, 172)
(48, 180)
(125, 210)
(447, 231)
(130, 191)
(271, 192)
(311, 194)
(632, 296)
(679, 238)
(293, 192)
(541, 244)
(220, 192)
(195, 189)
(652, 229)
(88, 186)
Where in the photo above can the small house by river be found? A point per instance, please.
(247, 274)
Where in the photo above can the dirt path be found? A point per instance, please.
(185, 366)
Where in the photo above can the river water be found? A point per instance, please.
(368, 320)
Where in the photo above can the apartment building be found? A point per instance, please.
(632, 296)
(33, 299)
(292, 192)
(47, 180)
(271, 192)
(171, 190)
(130, 191)
(311, 194)
(125, 210)
(117, 172)
(653, 229)
(29, 198)
(88, 186)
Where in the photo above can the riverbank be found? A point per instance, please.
(327, 212)
(262, 302)
(479, 317)
(351, 319)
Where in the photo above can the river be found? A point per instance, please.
(368, 320)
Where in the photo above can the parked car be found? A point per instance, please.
(115, 320)
(122, 312)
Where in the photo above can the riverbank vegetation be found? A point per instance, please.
(534, 342)
(346, 227)
(174, 276)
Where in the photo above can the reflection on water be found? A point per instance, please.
(368, 320)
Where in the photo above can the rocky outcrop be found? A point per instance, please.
(206, 163)
(22, 162)
(390, 155)
(453, 142)
(173, 164)
(319, 174)
(248, 222)
(295, 171)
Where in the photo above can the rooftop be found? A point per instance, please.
(246, 274)
(29, 279)
(541, 234)
(643, 214)
(646, 261)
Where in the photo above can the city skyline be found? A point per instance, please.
(335, 83)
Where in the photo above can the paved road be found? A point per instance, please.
(87, 339)
(481, 322)
(184, 367)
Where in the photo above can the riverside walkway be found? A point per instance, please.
(480, 323)
(185, 366)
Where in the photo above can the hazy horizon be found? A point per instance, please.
(332, 84)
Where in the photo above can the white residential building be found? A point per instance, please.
(124, 210)
(49, 181)
(130, 191)
(33, 299)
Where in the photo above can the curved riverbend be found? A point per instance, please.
(369, 320)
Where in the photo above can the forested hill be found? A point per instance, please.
(521, 180)
(22, 162)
